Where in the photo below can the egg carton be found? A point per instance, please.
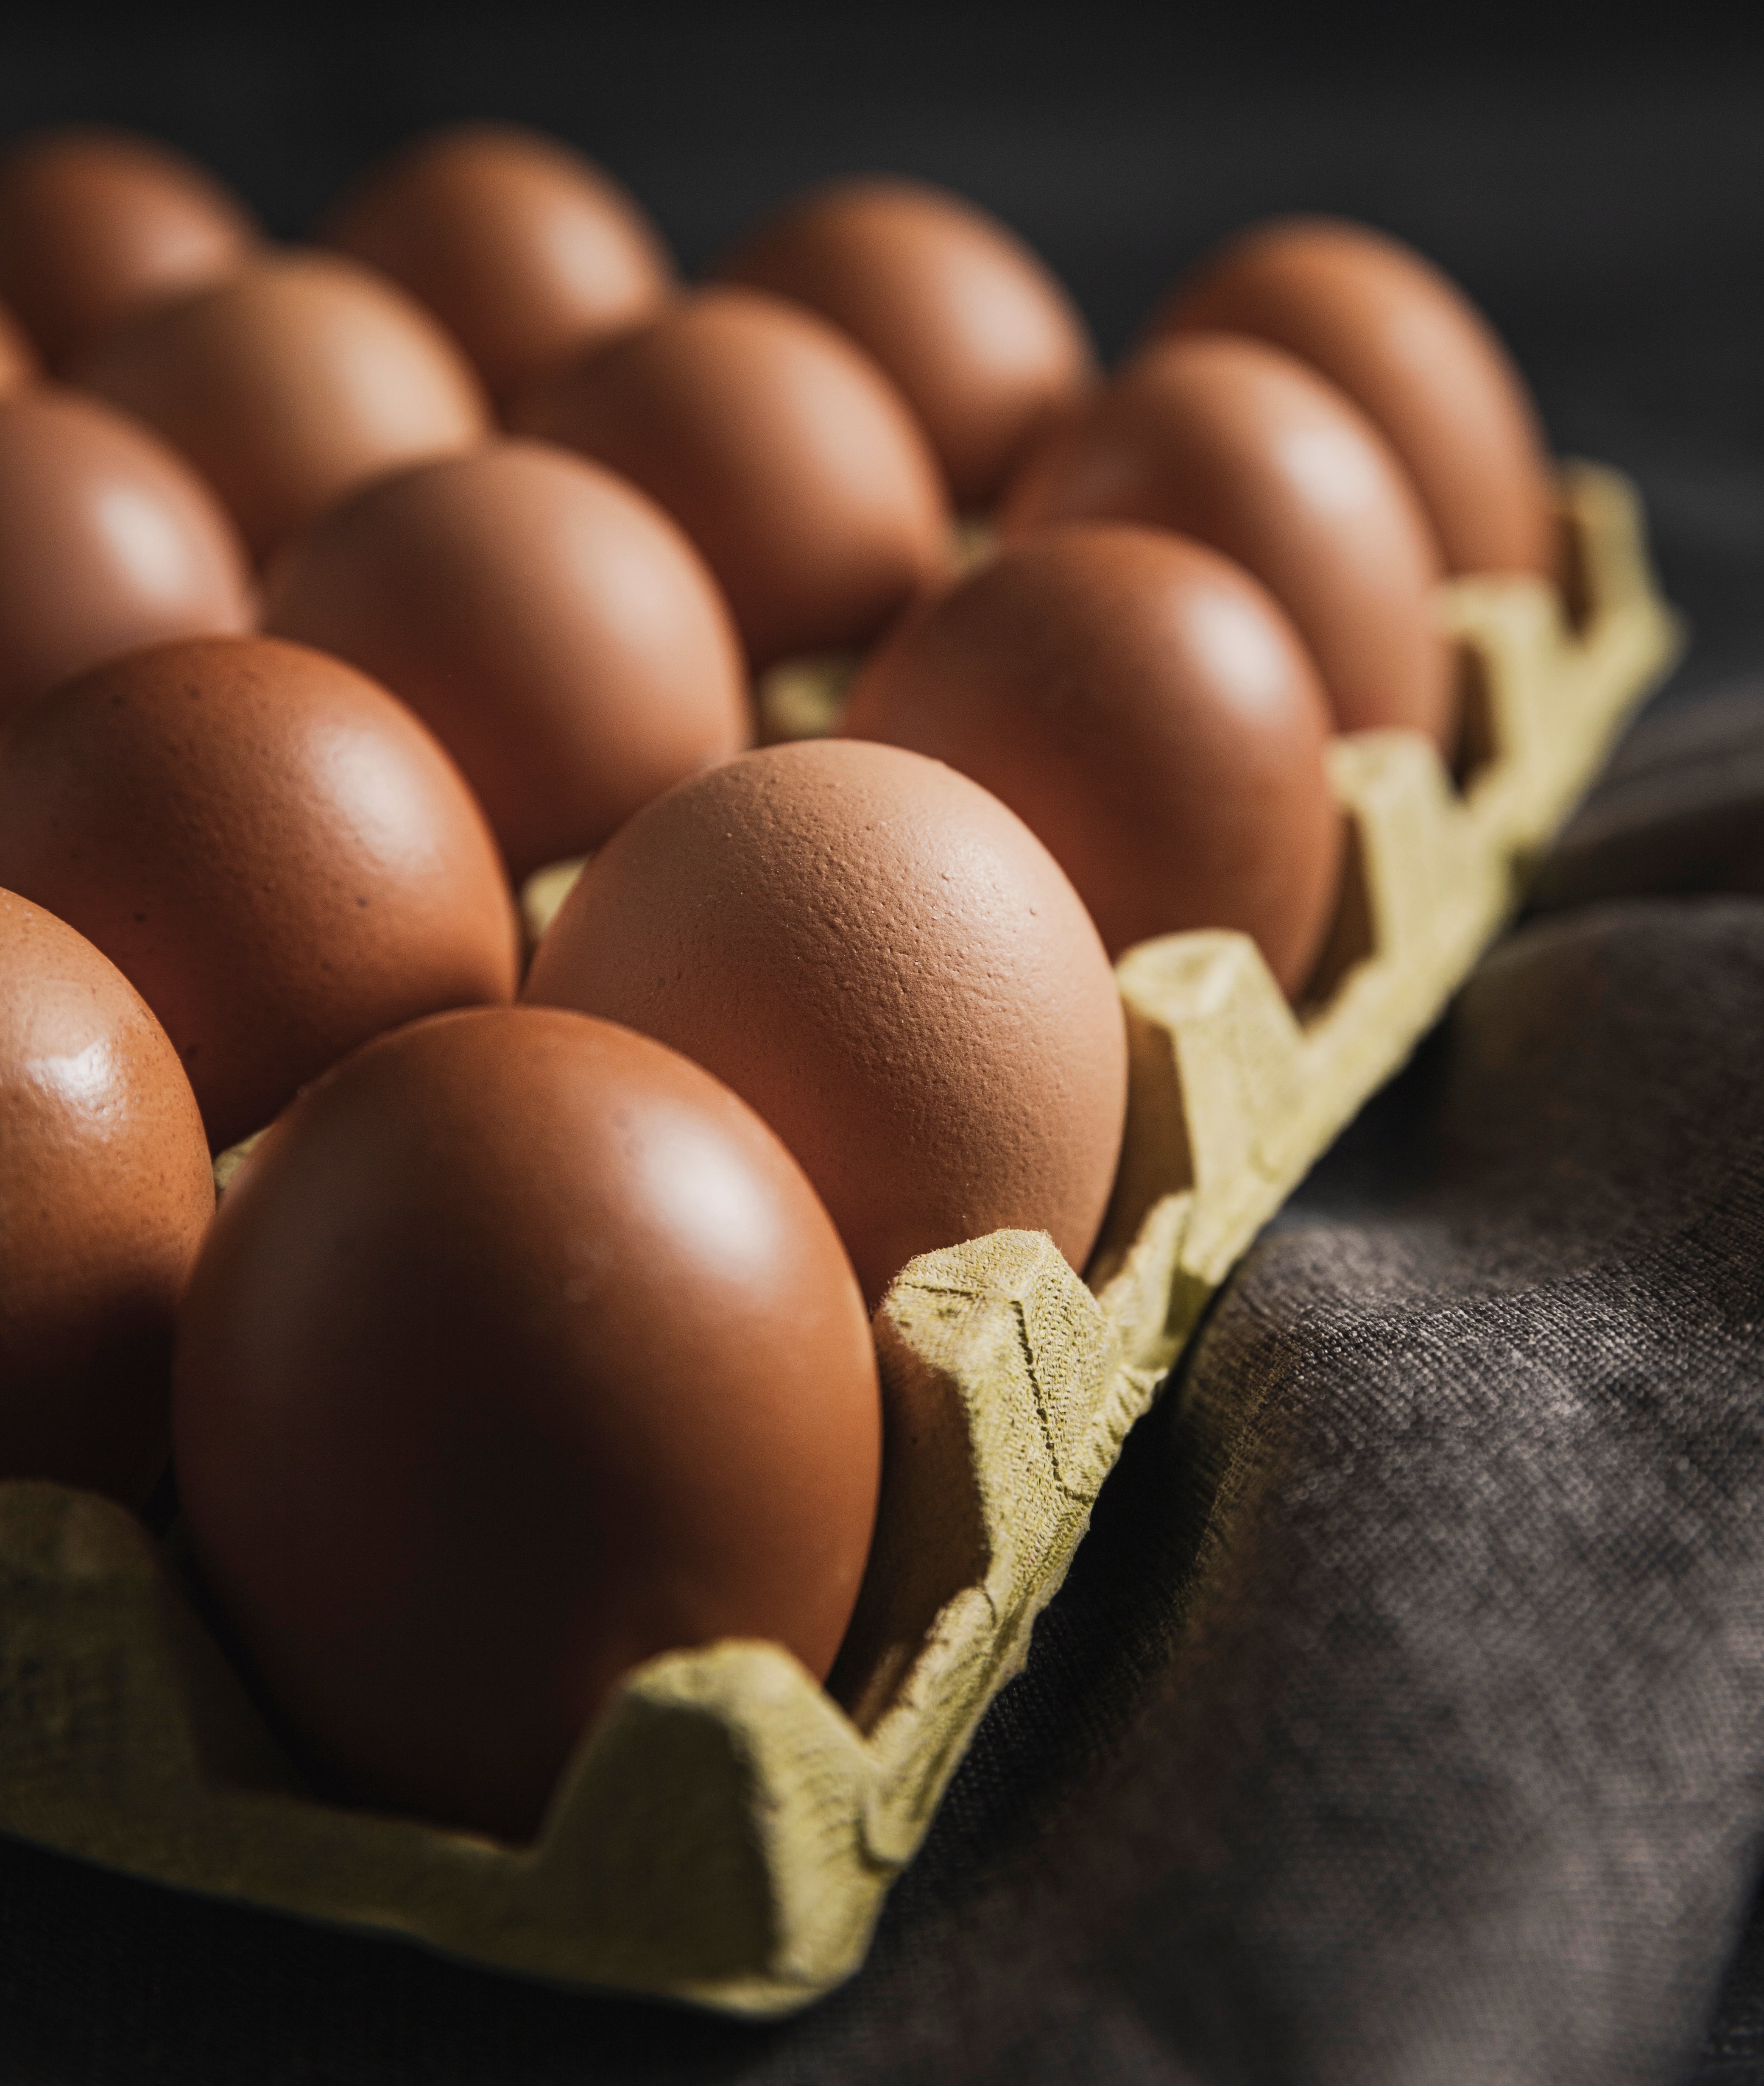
(727, 1831)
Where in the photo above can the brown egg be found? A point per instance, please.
(1240, 445)
(1414, 354)
(1146, 709)
(985, 344)
(18, 360)
(780, 449)
(96, 227)
(108, 539)
(104, 1193)
(888, 965)
(302, 378)
(550, 625)
(521, 1352)
(275, 852)
(526, 251)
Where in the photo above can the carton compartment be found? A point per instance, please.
(727, 1831)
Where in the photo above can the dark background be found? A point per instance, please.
(1597, 186)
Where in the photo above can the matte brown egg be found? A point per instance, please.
(888, 965)
(1146, 709)
(18, 362)
(303, 377)
(985, 344)
(275, 852)
(526, 251)
(1414, 354)
(551, 626)
(108, 539)
(104, 1193)
(98, 226)
(521, 1352)
(1239, 445)
(780, 449)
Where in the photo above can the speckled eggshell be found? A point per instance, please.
(1414, 356)
(1239, 445)
(18, 360)
(302, 378)
(985, 344)
(888, 964)
(276, 852)
(1146, 709)
(782, 451)
(521, 1352)
(527, 253)
(551, 624)
(98, 226)
(108, 539)
(104, 1193)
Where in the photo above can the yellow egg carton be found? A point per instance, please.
(727, 1831)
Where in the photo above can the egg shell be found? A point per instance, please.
(1416, 356)
(553, 626)
(888, 966)
(1239, 445)
(1146, 709)
(984, 342)
(780, 450)
(527, 253)
(18, 360)
(98, 226)
(105, 1192)
(302, 378)
(277, 854)
(521, 1351)
(108, 540)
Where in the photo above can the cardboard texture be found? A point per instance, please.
(727, 1832)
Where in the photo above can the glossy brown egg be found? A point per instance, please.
(526, 251)
(780, 449)
(888, 965)
(303, 377)
(521, 1352)
(1146, 709)
(96, 227)
(1239, 445)
(1414, 354)
(108, 539)
(986, 346)
(275, 852)
(549, 623)
(104, 1193)
(18, 360)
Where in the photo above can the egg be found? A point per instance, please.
(105, 1192)
(1240, 445)
(550, 625)
(273, 850)
(97, 226)
(520, 1352)
(298, 380)
(1414, 354)
(18, 360)
(884, 962)
(526, 251)
(780, 450)
(985, 344)
(108, 539)
(1148, 710)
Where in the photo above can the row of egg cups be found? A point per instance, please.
(725, 1835)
